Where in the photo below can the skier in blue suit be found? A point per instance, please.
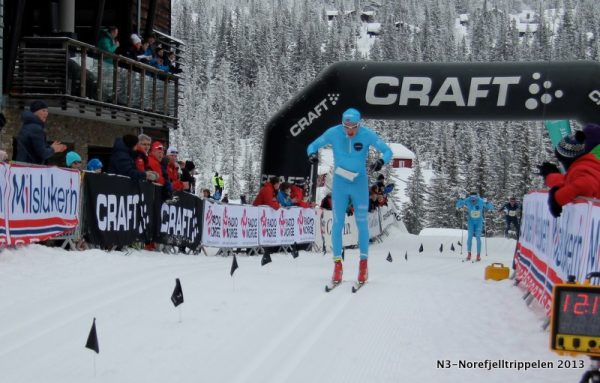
(350, 141)
(475, 215)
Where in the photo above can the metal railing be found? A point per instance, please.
(60, 67)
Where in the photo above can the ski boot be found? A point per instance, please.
(478, 258)
(363, 272)
(468, 256)
(337, 272)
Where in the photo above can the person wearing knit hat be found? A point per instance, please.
(582, 178)
(592, 136)
(31, 141)
(94, 165)
(570, 148)
(38, 105)
(73, 160)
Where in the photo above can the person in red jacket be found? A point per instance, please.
(267, 195)
(157, 153)
(141, 152)
(297, 194)
(173, 170)
(581, 179)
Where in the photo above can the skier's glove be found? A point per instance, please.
(313, 158)
(555, 208)
(547, 168)
(377, 165)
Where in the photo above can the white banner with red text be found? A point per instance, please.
(38, 202)
(249, 226)
(549, 250)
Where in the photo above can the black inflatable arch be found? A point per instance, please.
(427, 91)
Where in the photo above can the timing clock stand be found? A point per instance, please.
(575, 322)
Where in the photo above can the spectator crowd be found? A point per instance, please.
(146, 50)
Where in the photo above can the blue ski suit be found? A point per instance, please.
(350, 180)
(475, 205)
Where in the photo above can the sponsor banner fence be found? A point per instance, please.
(249, 226)
(179, 224)
(119, 211)
(549, 250)
(3, 202)
(38, 202)
(350, 231)
(229, 225)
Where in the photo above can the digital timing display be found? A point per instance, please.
(578, 311)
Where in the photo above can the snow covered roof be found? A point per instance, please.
(368, 13)
(524, 28)
(331, 13)
(463, 17)
(401, 151)
(374, 28)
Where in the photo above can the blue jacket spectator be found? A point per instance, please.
(32, 146)
(283, 195)
(122, 158)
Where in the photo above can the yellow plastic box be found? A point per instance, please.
(497, 272)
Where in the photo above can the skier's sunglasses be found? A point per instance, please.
(350, 126)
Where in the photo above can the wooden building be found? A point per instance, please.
(49, 52)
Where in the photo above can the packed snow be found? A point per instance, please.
(267, 324)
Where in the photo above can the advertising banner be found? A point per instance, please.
(230, 225)
(4, 169)
(550, 250)
(119, 211)
(179, 223)
(40, 202)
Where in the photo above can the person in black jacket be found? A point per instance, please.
(32, 146)
(187, 175)
(122, 160)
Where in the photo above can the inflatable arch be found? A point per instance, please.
(427, 91)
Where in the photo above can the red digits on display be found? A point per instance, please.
(566, 304)
(578, 309)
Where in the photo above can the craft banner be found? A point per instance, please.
(40, 202)
(549, 249)
(179, 223)
(227, 225)
(119, 211)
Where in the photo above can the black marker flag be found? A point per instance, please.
(92, 340)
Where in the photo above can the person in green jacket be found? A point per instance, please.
(108, 39)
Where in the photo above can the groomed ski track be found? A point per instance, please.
(267, 324)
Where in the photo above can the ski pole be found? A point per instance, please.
(312, 190)
(485, 232)
(462, 230)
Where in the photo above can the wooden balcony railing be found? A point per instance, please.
(79, 76)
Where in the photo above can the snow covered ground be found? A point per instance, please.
(267, 324)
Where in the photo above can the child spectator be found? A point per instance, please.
(283, 195)
(73, 160)
(94, 165)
